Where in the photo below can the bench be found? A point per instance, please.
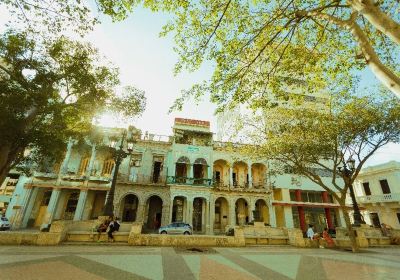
(86, 236)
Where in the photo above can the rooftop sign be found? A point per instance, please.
(192, 122)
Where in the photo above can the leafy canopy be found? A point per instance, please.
(52, 91)
(262, 46)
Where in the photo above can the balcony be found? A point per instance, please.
(141, 179)
(390, 197)
(45, 175)
(189, 181)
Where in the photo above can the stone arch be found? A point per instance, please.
(221, 214)
(129, 205)
(240, 174)
(221, 172)
(242, 213)
(200, 171)
(199, 214)
(261, 211)
(258, 173)
(154, 211)
(183, 159)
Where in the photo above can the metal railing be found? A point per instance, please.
(142, 179)
(189, 181)
(389, 197)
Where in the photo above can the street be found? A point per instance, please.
(125, 262)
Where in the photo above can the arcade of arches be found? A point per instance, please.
(211, 214)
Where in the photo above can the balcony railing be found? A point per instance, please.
(189, 181)
(390, 197)
(142, 179)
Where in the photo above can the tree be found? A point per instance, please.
(260, 46)
(51, 91)
(55, 16)
(312, 139)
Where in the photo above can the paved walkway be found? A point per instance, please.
(124, 262)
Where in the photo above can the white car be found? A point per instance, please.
(4, 223)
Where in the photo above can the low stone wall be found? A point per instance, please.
(185, 240)
(259, 234)
(56, 235)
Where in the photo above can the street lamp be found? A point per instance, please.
(347, 171)
(118, 155)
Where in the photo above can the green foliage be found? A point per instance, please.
(52, 91)
(308, 137)
(54, 16)
(263, 47)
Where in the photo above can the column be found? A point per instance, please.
(327, 210)
(23, 215)
(189, 211)
(252, 207)
(171, 209)
(272, 216)
(287, 210)
(209, 172)
(211, 215)
(51, 208)
(300, 209)
(190, 171)
(232, 213)
(230, 176)
(81, 205)
(140, 212)
(164, 214)
(64, 166)
(91, 161)
(250, 174)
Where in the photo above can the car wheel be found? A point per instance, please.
(164, 232)
(186, 233)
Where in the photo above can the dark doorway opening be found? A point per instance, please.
(156, 171)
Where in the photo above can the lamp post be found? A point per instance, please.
(347, 171)
(118, 155)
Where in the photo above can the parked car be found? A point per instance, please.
(176, 228)
(4, 223)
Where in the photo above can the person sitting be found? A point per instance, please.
(114, 226)
(311, 234)
(385, 229)
(328, 238)
(102, 228)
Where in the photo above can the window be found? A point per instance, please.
(136, 160)
(292, 195)
(367, 190)
(384, 186)
(108, 167)
(83, 165)
(398, 217)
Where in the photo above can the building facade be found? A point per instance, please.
(185, 177)
(377, 191)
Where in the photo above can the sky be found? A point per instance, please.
(146, 61)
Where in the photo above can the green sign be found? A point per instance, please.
(193, 149)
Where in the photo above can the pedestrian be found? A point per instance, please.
(102, 228)
(328, 238)
(114, 226)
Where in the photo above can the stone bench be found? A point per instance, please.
(267, 240)
(85, 236)
(378, 241)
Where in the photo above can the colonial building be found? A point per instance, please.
(377, 191)
(184, 177)
(7, 189)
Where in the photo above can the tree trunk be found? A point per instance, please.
(353, 241)
(378, 18)
(387, 77)
(8, 157)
